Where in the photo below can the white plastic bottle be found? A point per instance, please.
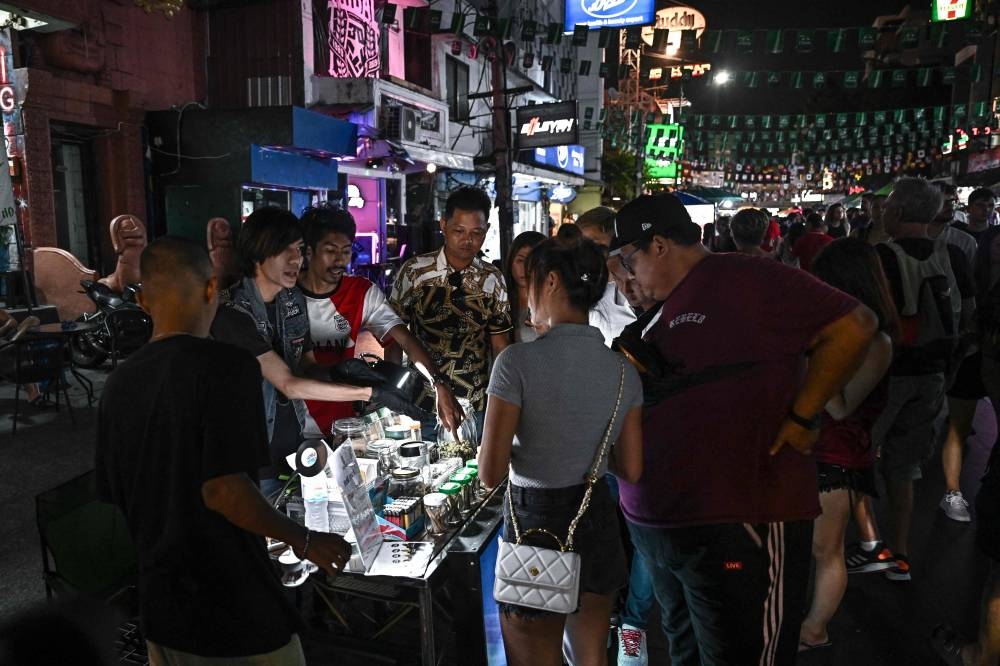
(314, 496)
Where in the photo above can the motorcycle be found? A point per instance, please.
(123, 326)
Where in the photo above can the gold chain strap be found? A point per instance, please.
(591, 480)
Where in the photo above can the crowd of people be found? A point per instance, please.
(857, 355)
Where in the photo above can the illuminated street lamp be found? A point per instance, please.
(722, 78)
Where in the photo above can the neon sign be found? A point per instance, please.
(8, 100)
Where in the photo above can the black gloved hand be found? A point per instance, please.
(356, 372)
(388, 396)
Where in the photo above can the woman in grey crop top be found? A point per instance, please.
(550, 402)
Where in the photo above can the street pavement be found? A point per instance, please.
(879, 622)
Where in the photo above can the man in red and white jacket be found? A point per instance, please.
(341, 305)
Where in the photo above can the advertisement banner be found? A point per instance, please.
(608, 13)
(564, 158)
(541, 125)
(9, 105)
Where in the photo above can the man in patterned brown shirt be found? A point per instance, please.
(455, 303)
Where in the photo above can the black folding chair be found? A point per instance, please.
(87, 552)
(36, 359)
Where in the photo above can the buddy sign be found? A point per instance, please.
(608, 13)
(541, 125)
(676, 20)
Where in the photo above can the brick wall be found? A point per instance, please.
(149, 63)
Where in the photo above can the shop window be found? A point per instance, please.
(457, 85)
(78, 230)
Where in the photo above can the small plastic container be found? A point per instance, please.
(454, 493)
(354, 431)
(465, 482)
(477, 487)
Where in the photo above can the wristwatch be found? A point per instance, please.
(808, 424)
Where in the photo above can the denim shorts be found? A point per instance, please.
(837, 477)
(597, 538)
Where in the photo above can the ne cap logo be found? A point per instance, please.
(646, 226)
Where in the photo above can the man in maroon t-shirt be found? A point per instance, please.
(723, 512)
(815, 239)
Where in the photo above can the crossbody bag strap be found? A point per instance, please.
(591, 480)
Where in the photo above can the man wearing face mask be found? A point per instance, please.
(455, 303)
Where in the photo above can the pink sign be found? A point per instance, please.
(354, 39)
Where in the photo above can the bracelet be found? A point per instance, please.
(441, 378)
(305, 547)
(808, 424)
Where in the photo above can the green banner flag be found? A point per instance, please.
(699, 121)
(875, 78)
(981, 110)
(773, 79)
(851, 78)
(948, 75)
(827, 134)
(784, 121)
(711, 41)
(457, 23)
(843, 133)
(835, 39)
(715, 122)
(899, 78)
(819, 79)
(939, 34)
(976, 73)
(732, 122)
(860, 118)
(973, 33)
(866, 38)
(805, 41)
(842, 119)
(909, 37)
(750, 122)
(796, 79)
(820, 120)
(879, 117)
(775, 41)
(899, 116)
(750, 79)
(959, 113)
(801, 120)
(924, 75)
(766, 121)
(919, 114)
(744, 41)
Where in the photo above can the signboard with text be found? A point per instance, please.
(541, 125)
(950, 10)
(664, 148)
(564, 158)
(608, 13)
(8, 104)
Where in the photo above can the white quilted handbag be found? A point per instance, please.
(539, 578)
(544, 578)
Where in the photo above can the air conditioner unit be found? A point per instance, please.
(399, 123)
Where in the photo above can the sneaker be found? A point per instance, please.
(955, 506)
(632, 646)
(900, 569)
(859, 560)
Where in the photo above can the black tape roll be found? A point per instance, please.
(310, 459)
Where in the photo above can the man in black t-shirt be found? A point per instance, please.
(180, 436)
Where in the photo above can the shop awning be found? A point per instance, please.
(548, 175)
(442, 158)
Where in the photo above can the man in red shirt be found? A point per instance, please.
(723, 511)
(814, 240)
(341, 305)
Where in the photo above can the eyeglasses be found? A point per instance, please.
(626, 261)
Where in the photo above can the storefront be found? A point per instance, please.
(229, 163)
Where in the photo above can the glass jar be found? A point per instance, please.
(354, 431)
(384, 451)
(477, 486)
(412, 454)
(406, 482)
(468, 437)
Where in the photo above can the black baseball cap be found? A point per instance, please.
(650, 214)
